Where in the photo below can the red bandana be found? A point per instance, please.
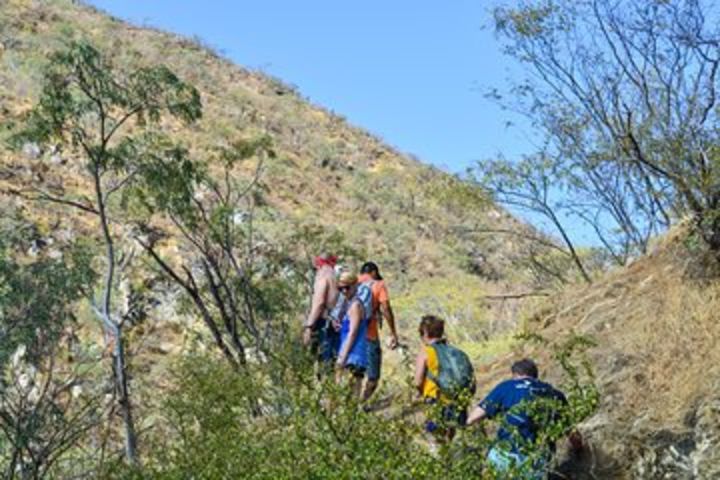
(329, 261)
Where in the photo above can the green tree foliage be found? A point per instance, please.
(307, 428)
(232, 275)
(41, 420)
(624, 95)
(36, 300)
(107, 113)
(244, 284)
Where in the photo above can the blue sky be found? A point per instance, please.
(411, 71)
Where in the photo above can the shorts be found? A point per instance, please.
(505, 462)
(442, 417)
(325, 341)
(374, 356)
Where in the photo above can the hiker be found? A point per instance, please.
(444, 378)
(518, 400)
(381, 309)
(319, 332)
(352, 355)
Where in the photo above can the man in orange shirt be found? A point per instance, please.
(381, 309)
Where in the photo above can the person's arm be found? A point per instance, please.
(355, 313)
(490, 406)
(420, 370)
(387, 313)
(317, 305)
(476, 415)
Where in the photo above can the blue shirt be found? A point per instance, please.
(512, 398)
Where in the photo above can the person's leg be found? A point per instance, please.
(316, 348)
(354, 376)
(453, 417)
(433, 432)
(436, 424)
(498, 460)
(374, 355)
(357, 382)
(328, 340)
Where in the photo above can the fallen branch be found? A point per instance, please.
(516, 295)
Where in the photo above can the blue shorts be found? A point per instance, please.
(374, 357)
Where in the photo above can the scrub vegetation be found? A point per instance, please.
(161, 208)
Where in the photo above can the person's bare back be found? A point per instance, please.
(325, 295)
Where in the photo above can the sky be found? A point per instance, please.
(412, 72)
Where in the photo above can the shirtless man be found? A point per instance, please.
(319, 332)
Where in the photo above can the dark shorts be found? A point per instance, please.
(374, 354)
(442, 417)
(325, 341)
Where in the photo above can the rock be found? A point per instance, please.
(31, 150)
(240, 217)
(65, 235)
(76, 391)
(36, 246)
(166, 348)
(684, 455)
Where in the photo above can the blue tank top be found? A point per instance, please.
(358, 352)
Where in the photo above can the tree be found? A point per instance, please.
(214, 218)
(44, 410)
(528, 185)
(625, 95)
(106, 113)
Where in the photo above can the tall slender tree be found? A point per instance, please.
(108, 115)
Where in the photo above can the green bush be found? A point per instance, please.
(277, 420)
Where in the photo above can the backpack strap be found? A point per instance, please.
(356, 299)
(375, 311)
(428, 373)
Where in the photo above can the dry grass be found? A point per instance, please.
(327, 171)
(656, 327)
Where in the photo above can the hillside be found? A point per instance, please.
(336, 181)
(655, 360)
(417, 222)
(329, 182)
(653, 323)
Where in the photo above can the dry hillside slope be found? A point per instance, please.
(417, 222)
(414, 220)
(654, 323)
(656, 361)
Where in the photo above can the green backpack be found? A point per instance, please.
(456, 376)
